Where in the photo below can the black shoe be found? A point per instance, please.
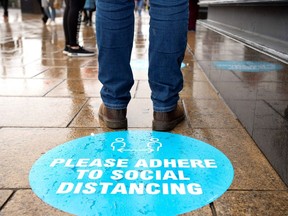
(66, 50)
(44, 19)
(80, 52)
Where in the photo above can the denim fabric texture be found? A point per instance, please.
(167, 44)
(49, 9)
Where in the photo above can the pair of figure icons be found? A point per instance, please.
(120, 145)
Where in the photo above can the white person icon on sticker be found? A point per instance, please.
(154, 145)
(118, 145)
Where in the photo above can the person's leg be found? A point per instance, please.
(85, 18)
(44, 16)
(53, 12)
(168, 39)
(193, 14)
(48, 14)
(140, 6)
(74, 20)
(5, 7)
(90, 17)
(115, 31)
(65, 25)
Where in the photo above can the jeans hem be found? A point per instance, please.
(164, 109)
(115, 106)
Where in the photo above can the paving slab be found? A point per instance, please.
(252, 170)
(25, 202)
(21, 147)
(4, 195)
(38, 111)
(258, 203)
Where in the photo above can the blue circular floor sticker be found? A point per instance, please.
(131, 173)
(248, 66)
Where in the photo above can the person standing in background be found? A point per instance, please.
(193, 14)
(48, 7)
(89, 8)
(139, 6)
(71, 25)
(44, 16)
(4, 4)
(167, 45)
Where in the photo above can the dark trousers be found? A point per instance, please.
(193, 14)
(72, 21)
(44, 16)
(4, 3)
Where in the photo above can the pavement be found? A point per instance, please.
(48, 98)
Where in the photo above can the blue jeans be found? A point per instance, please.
(139, 6)
(51, 15)
(167, 44)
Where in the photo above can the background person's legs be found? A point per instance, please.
(4, 4)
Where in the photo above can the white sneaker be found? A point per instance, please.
(48, 21)
(52, 23)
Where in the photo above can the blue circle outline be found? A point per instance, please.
(37, 183)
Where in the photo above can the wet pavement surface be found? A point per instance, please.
(47, 99)
(254, 86)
